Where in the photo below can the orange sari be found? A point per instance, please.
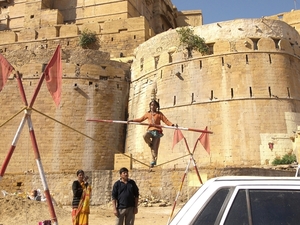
(80, 216)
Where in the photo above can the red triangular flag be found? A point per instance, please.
(5, 70)
(53, 76)
(204, 140)
(178, 136)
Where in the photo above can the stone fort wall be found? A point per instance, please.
(245, 92)
(65, 139)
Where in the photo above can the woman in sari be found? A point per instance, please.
(81, 199)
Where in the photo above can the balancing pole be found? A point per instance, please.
(153, 125)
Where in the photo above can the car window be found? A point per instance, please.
(276, 207)
(238, 213)
(211, 210)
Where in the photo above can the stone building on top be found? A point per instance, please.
(245, 90)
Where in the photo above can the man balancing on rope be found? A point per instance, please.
(154, 133)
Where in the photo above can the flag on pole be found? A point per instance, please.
(178, 136)
(53, 76)
(5, 70)
(204, 140)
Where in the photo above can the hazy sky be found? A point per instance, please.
(222, 10)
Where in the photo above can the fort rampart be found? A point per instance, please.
(245, 91)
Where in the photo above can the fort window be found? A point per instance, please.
(170, 57)
(32, 16)
(276, 41)
(182, 68)
(210, 48)
(247, 61)
(231, 92)
(103, 67)
(44, 66)
(270, 59)
(90, 83)
(222, 61)
(200, 64)
(103, 78)
(118, 86)
(288, 91)
(161, 73)
(280, 17)
(156, 60)
(255, 41)
(174, 100)
(211, 95)
(270, 92)
(193, 98)
(112, 39)
(142, 64)
(134, 36)
(250, 90)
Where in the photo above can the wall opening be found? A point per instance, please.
(222, 61)
(288, 92)
(210, 48)
(170, 57)
(250, 90)
(276, 42)
(247, 60)
(270, 59)
(142, 64)
(200, 64)
(231, 91)
(270, 92)
(156, 60)
(255, 41)
(211, 95)
(174, 100)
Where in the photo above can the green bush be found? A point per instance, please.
(192, 41)
(87, 38)
(286, 159)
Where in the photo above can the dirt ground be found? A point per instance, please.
(19, 210)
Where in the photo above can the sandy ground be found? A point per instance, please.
(18, 210)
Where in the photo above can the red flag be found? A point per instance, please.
(5, 70)
(53, 76)
(177, 137)
(204, 140)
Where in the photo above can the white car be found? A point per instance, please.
(239, 200)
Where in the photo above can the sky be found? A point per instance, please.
(223, 10)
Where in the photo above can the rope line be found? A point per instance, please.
(12, 117)
(49, 117)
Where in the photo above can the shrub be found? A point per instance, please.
(87, 38)
(286, 159)
(192, 41)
